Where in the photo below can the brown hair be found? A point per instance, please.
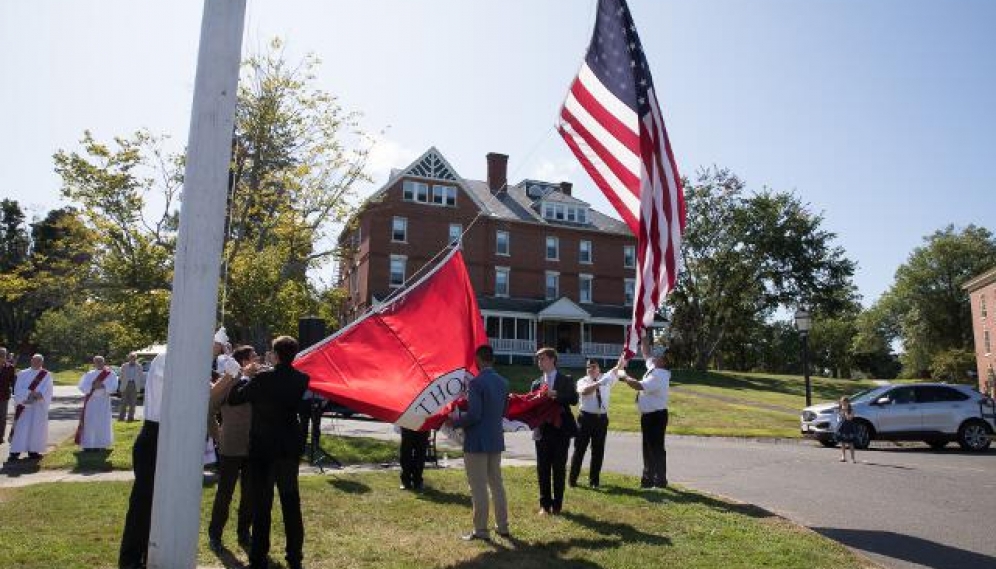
(548, 352)
(242, 354)
(485, 353)
(286, 348)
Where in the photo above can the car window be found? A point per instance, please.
(938, 394)
(901, 395)
(866, 395)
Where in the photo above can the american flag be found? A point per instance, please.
(612, 122)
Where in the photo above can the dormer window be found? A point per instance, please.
(562, 212)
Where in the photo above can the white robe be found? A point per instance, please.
(97, 432)
(31, 429)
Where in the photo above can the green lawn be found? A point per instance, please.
(347, 450)
(68, 376)
(361, 520)
(716, 403)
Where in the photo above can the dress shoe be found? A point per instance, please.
(14, 457)
(34, 455)
(555, 511)
(472, 536)
(543, 512)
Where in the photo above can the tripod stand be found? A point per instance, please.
(316, 454)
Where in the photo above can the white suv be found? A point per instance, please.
(936, 413)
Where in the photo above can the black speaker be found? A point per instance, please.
(310, 331)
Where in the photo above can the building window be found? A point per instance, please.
(584, 252)
(552, 285)
(501, 281)
(982, 305)
(629, 256)
(582, 215)
(629, 291)
(501, 242)
(456, 230)
(413, 191)
(399, 230)
(509, 328)
(552, 249)
(585, 292)
(398, 263)
(985, 342)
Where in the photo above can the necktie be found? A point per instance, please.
(598, 397)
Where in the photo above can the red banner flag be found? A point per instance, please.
(408, 358)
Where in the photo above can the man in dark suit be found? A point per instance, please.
(483, 443)
(274, 448)
(552, 442)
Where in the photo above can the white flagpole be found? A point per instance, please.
(177, 503)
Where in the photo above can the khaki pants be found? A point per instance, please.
(129, 398)
(484, 472)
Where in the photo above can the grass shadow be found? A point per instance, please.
(525, 555)
(349, 486)
(92, 461)
(652, 496)
(443, 497)
(229, 560)
(625, 532)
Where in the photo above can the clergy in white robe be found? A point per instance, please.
(32, 395)
(94, 430)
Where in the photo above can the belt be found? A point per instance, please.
(657, 411)
(594, 414)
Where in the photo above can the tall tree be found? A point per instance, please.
(927, 303)
(746, 254)
(14, 238)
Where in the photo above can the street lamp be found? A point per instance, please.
(802, 323)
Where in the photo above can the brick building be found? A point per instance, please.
(982, 295)
(547, 268)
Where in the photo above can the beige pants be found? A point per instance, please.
(129, 398)
(484, 472)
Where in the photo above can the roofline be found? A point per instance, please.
(975, 283)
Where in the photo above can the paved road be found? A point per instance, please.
(904, 507)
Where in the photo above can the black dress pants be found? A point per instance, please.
(592, 428)
(652, 427)
(231, 469)
(263, 475)
(413, 447)
(551, 467)
(138, 520)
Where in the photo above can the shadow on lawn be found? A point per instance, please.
(92, 461)
(677, 496)
(517, 553)
(349, 486)
(442, 497)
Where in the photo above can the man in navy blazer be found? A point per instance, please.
(483, 443)
(553, 442)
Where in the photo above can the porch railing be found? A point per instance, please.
(509, 346)
(601, 350)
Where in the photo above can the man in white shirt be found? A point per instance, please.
(32, 395)
(132, 381)
(94, 430)
(652, 400)
(595, 388)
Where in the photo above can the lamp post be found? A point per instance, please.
(803, 321)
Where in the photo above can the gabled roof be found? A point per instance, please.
(513, 204)
(979, 281)
(563, 309)
(431, 165)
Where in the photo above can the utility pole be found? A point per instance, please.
(176, 506)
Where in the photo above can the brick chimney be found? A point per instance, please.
(565, 188)
(497, 171)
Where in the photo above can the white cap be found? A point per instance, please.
(220, 336)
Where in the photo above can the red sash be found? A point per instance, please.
(93, 387)
(20, 407)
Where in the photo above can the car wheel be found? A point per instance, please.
(829, 443)
(937, 445)
(862, 434)
(974, 435)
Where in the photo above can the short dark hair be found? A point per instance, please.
(548, 352)
(286, 348)
(485, 353)
(242, 354)
(592, 362)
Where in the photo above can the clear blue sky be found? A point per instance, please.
(878, 113)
